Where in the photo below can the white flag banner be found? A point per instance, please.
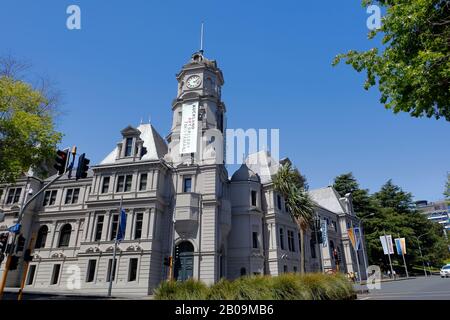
(388, 246)
(189, 128)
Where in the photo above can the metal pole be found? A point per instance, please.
(113, 272)
(356, 252)
(389, 255)
(319, 244)
(363, 250)
(423, 261)
(404, 260)
(25, 269)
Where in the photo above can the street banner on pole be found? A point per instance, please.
(122, 225)
(189, 128)
(351, 235)
(357, 232)
(324, 229)
(386, 242)
(400, 244)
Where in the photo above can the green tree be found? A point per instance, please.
(27, 134)
(412, 66)
(392, 196)
(447, 187)
(346, 183)
(292, 186)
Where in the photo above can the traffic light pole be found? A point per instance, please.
(19, 220)
(25, 269)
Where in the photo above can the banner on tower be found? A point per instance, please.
(189, 128)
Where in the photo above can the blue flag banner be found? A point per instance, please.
(15, 228)
(357, 232)
(122, 225)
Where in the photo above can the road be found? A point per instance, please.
(421, 288)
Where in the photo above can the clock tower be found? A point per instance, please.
(200, 84)
(201, 208)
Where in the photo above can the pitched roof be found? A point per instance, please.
(263, 165)
(328, 198)
(153, 142)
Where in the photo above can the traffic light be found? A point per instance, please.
(62, 157)
(167, 261)
(3, 242)
(27, 256)
(83, 167)
(14, 263)
(20, 244)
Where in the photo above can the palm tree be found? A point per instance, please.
(292, 186)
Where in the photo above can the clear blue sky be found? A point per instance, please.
(276, 57)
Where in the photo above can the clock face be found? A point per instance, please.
(193, 82)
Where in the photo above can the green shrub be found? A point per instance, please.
(187, 290)
(312, 286)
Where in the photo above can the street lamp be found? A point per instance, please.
(362, 244)
(420, 250)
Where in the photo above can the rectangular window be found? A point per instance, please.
(50, 198)
(120, 181)
(291, 242)
(55, 274)
(124, 183)
(282, 238)
(138, 226)
(255, 240)
(128, 181)
(128, 147)
(111, 275)
(299, 243)
(105, 184)
(72, 196)
(31, 274)
(13, 195)
(254, 198)
(143, 182)
(92, 264)
(132, 273)
(99, 228)
(114, 226)
(279, 202)
(187, 185)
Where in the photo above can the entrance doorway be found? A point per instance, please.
(184, 261)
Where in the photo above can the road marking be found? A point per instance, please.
(366, 298)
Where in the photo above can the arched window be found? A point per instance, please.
(41, 237)
(64, 236)
(312, 245)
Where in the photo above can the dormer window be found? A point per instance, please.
(128, 147)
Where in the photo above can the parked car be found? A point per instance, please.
(445, 271)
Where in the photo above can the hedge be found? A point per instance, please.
(288, 286)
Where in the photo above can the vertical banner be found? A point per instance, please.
(324, 229)
(358, 237)
(351, 235)
(400, 244)
(386, 242)
(189, 128)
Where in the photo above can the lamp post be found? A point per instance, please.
(363, 243)
(420, 250)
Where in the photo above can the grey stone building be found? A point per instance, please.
(177, 203)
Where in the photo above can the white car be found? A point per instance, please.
(445, 271)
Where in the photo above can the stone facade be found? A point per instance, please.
(184, 206)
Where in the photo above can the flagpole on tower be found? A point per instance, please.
(201, 38)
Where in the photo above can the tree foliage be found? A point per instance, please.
(292, 186)
(392, 211)
(412, 66)
(27, 132)
(447, 187)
